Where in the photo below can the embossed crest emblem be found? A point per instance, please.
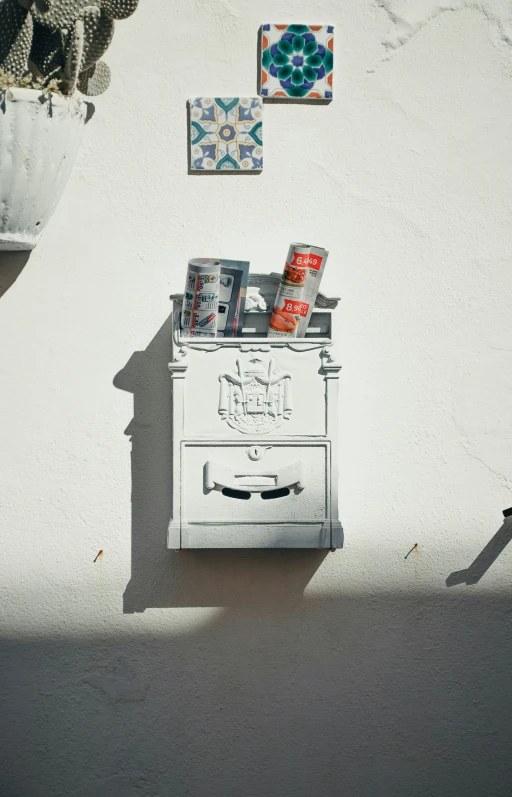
(257, 398)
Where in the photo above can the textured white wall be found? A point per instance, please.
(153, 673)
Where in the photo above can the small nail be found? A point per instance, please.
(99, 555)
(414, 548)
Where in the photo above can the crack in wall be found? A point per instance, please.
(403, 30)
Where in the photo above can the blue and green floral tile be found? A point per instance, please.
(297, 61)
(226, 134)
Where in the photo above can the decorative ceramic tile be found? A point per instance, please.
(225, 133)
(297, 61)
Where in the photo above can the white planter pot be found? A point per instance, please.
(38, 145)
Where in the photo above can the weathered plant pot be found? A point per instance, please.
(39, 139)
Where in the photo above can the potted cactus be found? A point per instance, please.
(50, 53)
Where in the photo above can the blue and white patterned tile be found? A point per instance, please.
(297, 61)
(226, 134)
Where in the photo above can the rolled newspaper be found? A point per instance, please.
(201, 298)
(297, 291)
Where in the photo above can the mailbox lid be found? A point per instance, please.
(288, 482)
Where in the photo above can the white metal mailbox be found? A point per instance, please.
(255, 442)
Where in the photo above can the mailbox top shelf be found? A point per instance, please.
(256, 319)
(266, 285)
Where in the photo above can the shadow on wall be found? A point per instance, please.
(485, 558)
(382, 695)
(11, 266)
(164, 578)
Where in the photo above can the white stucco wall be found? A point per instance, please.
(152, 673)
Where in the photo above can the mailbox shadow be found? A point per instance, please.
(485, 558)
(161, 578)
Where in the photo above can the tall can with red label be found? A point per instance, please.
(297, 291)
(201, 298)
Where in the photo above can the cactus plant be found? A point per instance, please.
(49, 47)
(16, 27)
(47, 54)
(60, 40)
(95, 80)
